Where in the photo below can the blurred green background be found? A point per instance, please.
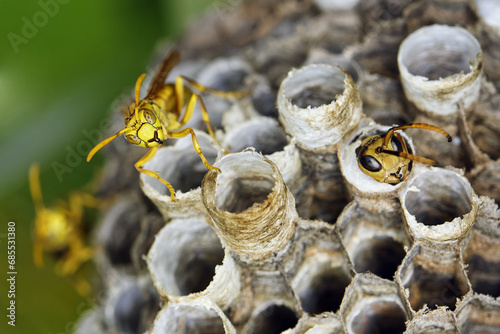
(56, 81)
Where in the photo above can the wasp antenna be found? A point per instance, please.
(410, 157)
(388, 136)
(138, 88)
(35, 188)
(104, 143)
(417, 126)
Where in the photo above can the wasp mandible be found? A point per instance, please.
(153, 119)
(59, 232)
(387, 158)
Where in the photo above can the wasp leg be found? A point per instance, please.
(36, 193)
(179, 96)
(138, 165)
(179, 92)
(201, 88)
(77, 201)
(75, 206)
(38, 252)
(77, 255)
(196, 145)
(35, 188)
(189, 113)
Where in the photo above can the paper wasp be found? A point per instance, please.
(386, 158)
(59, 231)
(156, 117)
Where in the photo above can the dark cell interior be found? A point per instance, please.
(246, 192)
(439, 64)
(127, 310)
(381, 60)
(441, 199)
(133, 307)
(327, 211)
(274, 320)
(119, 245)
(434, 290)
(277, 65)
(437, 213)
(487, 137)
(265, 139)
(190, 171)
(197, 267)
(470, 326)
(380, 317)
(212, 325)
(484, 275)
(325, 292)
(381, 256)
(264, 102)
(314, 96)
(229, 80)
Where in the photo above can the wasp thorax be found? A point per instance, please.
(55, 229)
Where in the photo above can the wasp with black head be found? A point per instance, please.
(387, 158)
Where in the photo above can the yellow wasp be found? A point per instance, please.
(150, 121)
(59, 232)
(386, 158)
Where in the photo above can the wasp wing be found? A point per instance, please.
(158, 81)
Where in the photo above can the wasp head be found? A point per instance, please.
(387, 158)
(144, 128)
(382, 166)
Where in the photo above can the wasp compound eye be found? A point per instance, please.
(149, 116)
(396, 144)
(370, 163)
(133, 139)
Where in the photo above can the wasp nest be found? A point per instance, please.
(291, 235)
